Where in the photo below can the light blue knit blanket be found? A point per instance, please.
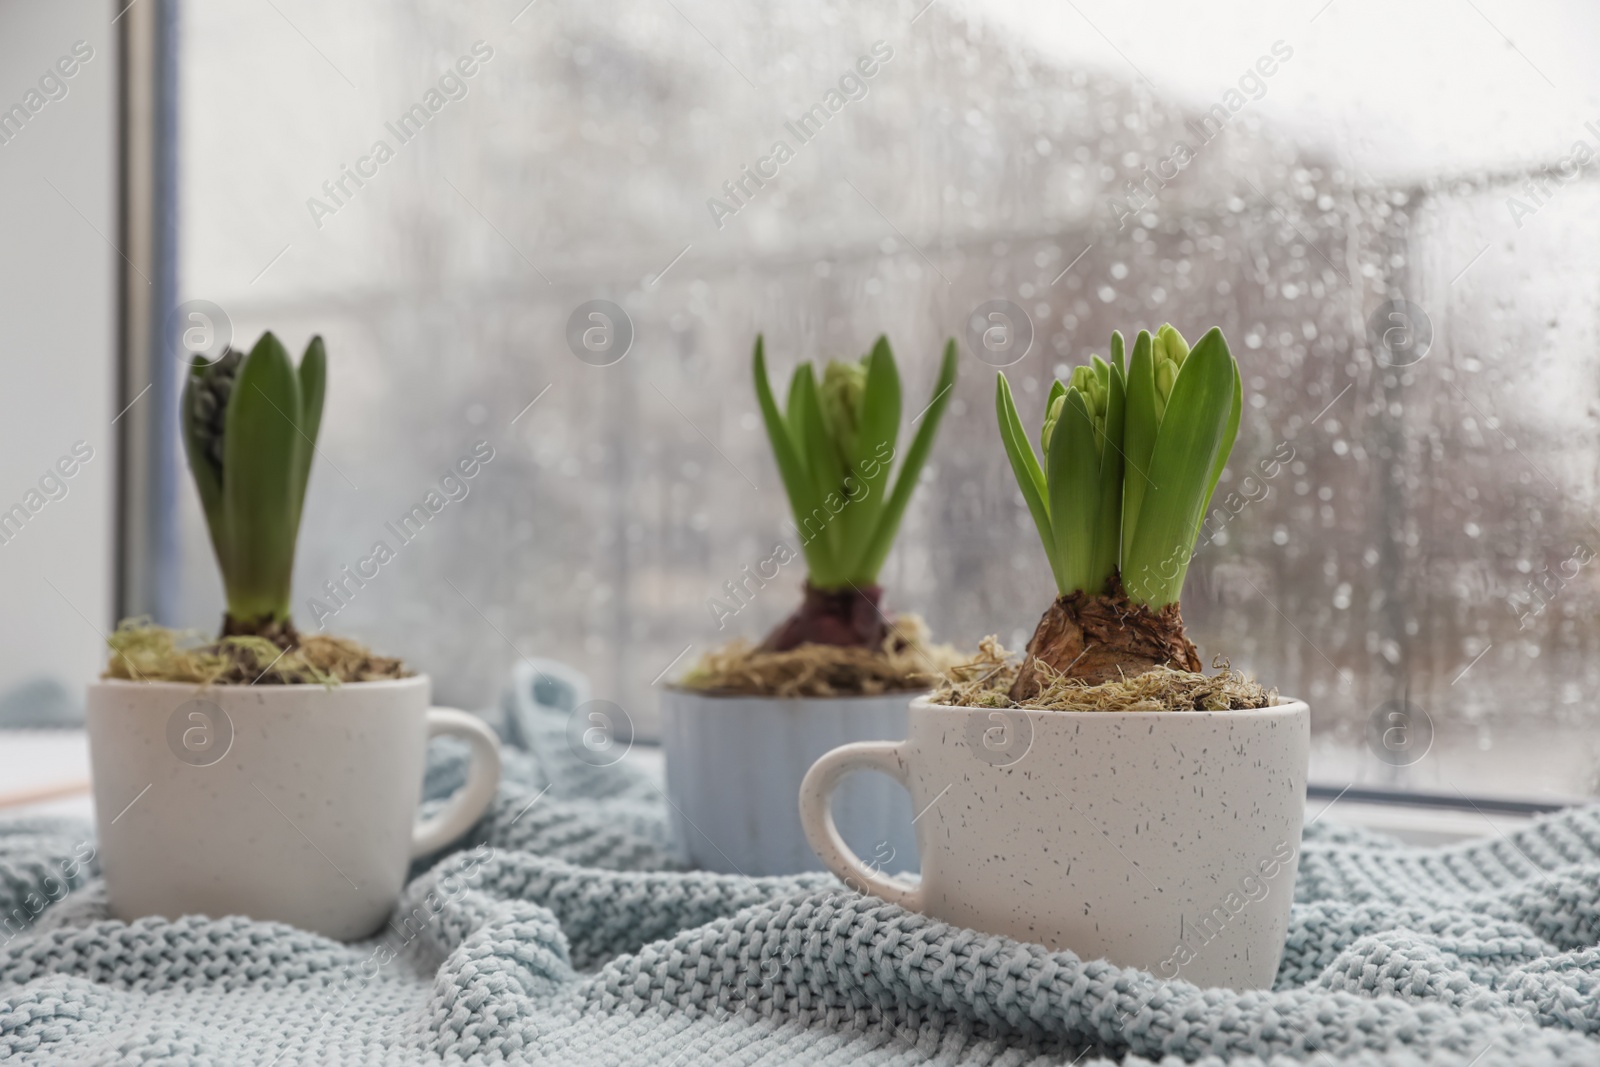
(564, 932)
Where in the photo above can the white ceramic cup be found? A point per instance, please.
(295, 803)
(1166, 841)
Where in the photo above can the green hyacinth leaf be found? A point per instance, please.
(1194, 436)
(1140, 424)
(791, 468)
(1025, 466)
(1073, 473)
(822, 461)
(880, 421)
(873, 458)
(894, 509)
(1230, 432)
(261, 457)
(1108, 518)
(313, 386)
(791, 409)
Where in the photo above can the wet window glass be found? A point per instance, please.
(543, 239)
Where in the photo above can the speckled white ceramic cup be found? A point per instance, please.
(296, 803)
(1166, 841)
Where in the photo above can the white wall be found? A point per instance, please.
(58, 222)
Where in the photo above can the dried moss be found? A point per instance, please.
(906, 663)
(985, 682)
(142, 651)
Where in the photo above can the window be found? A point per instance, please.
(1400, 255)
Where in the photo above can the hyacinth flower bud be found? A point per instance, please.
(1094, 383)
(842, 396)
(1052, 415)
(1168, 350)
(213, 386)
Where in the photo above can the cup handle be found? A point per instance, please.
(816, 817)
(483, 779)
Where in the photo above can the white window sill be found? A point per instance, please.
(36, 762)
(1414, 825)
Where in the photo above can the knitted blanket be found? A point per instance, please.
(563, 930)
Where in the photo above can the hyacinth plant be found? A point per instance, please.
(250, 429)
(834, 443)
(1132, 454)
